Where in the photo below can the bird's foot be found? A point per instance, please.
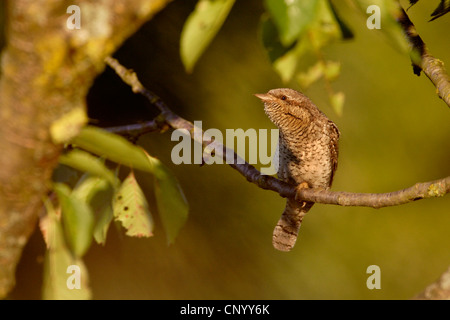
(303, 185)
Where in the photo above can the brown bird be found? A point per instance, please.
(308, 154)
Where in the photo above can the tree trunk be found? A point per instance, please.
(47, 70)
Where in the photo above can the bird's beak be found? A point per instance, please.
(264, 96)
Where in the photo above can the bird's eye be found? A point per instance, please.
(283, 98)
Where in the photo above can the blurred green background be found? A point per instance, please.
(394, 132)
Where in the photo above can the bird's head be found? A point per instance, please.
(287, 107)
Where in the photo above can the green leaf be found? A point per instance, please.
(292, 17)
(77, 218)
(98, 194)
(172, 205)
(305, 79)
(331, 70)
(131, 209)
(112, 147)
(68, 126)
(390, 28)
(271, 39)
(324, 28)
(337, 102)
(58, 260)
(288, 65)
(200, 28)
(345, 30)
(102, 208)
(85, 162)
(320, 29)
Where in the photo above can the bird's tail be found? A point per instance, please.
(286, 231)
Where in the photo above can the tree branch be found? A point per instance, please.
(437, 188)
(375, 200)
(438, 290)
(422, 59)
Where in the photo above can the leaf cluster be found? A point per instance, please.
(294, 35)
(84, 212)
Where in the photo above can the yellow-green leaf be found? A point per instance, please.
(324, 28)
(292, 17)
(314, 73)
(172, 205)
(131, 209)
(77, 218)
(337, 102)
(287, 65)
(98, 194)
(85, 162)
(332, 69)
(65, 277)
(112, 147)
(316, 28)
(201, 27)
(270, 39)
(390, 28)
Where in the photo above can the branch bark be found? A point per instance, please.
(437, 188)
(47, 70)
(438, 290)
(423, 60)
(419, 191)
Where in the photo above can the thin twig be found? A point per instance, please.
(135, 128)
(375, 200)
(422, 59)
